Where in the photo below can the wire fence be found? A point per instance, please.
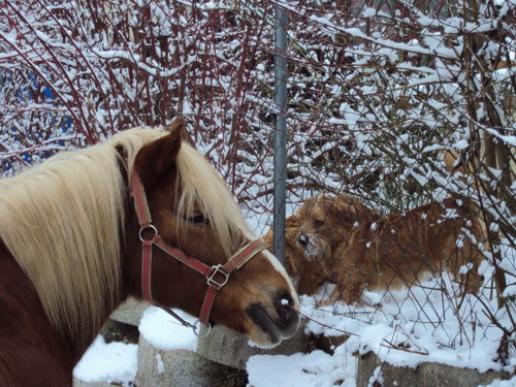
(398, 105)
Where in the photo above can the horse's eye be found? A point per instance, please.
(196, 219)
(318, 223)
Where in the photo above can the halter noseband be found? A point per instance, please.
(217, 276)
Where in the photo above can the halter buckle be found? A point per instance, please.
(212, 281)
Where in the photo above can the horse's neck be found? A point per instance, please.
(19, 300)
(24, 318)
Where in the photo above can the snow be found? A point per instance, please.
(159, 364)
(316, 368)
(509, 140)
(501, 383)
(162, 331)
(113, 362)
(376, 377)
(117, 362)
(401, 328)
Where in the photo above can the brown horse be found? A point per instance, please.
(74, 244)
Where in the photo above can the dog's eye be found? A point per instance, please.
(196, 219)
(318, 223)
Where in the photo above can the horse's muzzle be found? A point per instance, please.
(284, 325)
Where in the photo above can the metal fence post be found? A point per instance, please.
(280, 132)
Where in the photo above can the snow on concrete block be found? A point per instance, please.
(166, 356)
(225, 346)
(103, 364)
(182, 368)
(316, 368)
(162, 331)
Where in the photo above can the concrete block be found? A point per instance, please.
(80, 383)
(226, 346)
(182, 368)
(425, 375)
(130, 311)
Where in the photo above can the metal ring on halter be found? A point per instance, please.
(146, 227)
(197, 329)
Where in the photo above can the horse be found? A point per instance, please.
(141, 214)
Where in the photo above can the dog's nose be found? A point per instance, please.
(303, 239)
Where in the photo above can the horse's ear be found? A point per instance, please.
(158, 158)
(177, 125)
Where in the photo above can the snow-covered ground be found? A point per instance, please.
(422, 324)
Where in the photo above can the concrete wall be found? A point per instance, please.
(371, 368)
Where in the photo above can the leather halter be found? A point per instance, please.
(217, 276)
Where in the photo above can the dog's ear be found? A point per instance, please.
(292, 221)
(346, 210)
(344, 204)
(352, 206)
(292, 225)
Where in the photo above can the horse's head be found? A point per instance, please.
(194, 218)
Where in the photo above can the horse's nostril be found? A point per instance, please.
(283, 300)
(282, 326)
(303, 239)
(286, 313)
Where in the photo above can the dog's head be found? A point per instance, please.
(292, 252)
(325, 222)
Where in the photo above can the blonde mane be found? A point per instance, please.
(63, 221)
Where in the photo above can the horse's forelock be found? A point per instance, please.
(202, 186)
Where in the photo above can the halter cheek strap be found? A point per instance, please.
(217, 276)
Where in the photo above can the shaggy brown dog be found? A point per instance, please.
(307, 275)
(357, 248)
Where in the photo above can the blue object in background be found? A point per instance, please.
(24, 94)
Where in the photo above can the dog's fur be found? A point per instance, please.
(339, 239)
(308, 276)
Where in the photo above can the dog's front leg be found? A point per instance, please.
(335, 296)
